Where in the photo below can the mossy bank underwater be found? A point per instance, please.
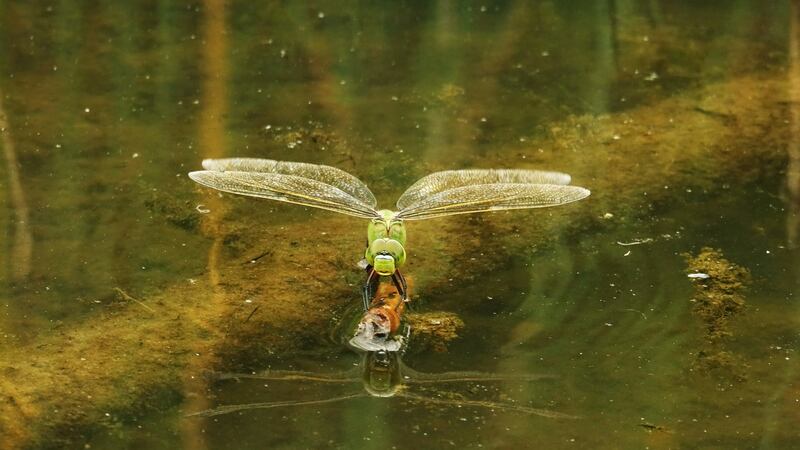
(659, 312)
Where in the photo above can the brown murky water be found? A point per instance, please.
(123, 284)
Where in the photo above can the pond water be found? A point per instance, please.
(126, 289)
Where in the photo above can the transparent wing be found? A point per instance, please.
(491, 197)
(286, 188)
(324, 174)
(450, 179)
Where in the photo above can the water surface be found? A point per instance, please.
(123, 283)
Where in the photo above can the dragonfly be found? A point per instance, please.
(439, 194)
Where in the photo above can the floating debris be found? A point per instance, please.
(651, 427)
(699, 275)
(644, 316)
(635, 242)
(125, 296)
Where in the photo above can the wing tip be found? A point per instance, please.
(199, 176)
(580, 193)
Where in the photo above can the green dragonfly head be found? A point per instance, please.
(386, 255)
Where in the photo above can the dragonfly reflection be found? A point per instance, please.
(380, 337)
(383, 374)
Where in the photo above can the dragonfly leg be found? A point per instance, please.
(366, 292)
(400, 283)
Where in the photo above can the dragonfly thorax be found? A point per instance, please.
(387, 227)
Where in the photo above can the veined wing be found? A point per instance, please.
(324, 174)
(491, 197)
(286, 188)
(438, 182)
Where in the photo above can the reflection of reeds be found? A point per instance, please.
(782, 391)
(212, 141)
(212, 126)
(793, 147)
(22, 246)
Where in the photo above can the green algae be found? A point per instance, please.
(718, 299)
(433, 330)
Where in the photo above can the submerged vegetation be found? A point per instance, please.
(201, 324)
(126, 284)
(719, 297)
(433, 330)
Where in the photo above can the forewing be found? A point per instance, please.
(492, 197)
(285, 188)
(450, 179)
(324, 174)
